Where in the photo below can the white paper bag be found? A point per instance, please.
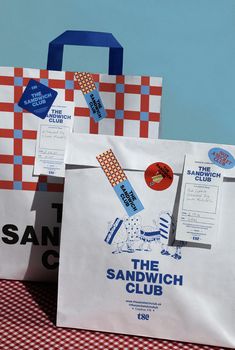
(111, 278)
(26, 201)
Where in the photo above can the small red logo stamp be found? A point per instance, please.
(159, 176)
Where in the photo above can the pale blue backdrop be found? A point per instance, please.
(191, 43)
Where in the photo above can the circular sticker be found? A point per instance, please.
(158, 176)
(222, 158)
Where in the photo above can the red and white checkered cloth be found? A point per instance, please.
(132, 105)
(27, 322)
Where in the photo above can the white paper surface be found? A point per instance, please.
(24, 216)
(199, 207)
(52, 136)
(92, 300)
(137, 153)
(201, 309)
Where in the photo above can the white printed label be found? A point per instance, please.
(52, 138)
(199, 202)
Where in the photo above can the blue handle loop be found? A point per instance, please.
(85, 38)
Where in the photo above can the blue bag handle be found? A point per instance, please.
(85, 38)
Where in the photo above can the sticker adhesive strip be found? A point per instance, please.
(120, 183)
(91, 95)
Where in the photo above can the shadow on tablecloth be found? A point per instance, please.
(45, 297)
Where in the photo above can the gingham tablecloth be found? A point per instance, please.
(27, 322)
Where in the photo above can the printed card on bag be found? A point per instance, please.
(51, 140)
(200, 199)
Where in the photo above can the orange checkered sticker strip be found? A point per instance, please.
(85, 82)
(111, 167)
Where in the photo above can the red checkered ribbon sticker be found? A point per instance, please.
(120, 183)
(91, 95)
(111, 168)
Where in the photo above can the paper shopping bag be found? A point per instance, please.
(31, 206)
(129, 274)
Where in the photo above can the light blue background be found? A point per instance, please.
(191, 43)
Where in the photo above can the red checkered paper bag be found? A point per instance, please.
(31, 206)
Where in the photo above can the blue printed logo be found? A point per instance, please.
(128, 197)
(95, 105)
(143, 317)
(37, 98)
(222, 158)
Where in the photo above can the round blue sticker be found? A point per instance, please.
(222, 158)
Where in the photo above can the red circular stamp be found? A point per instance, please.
(159, 176)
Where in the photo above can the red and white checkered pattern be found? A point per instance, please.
(129, 113)
(132, 105)
(28, 311)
